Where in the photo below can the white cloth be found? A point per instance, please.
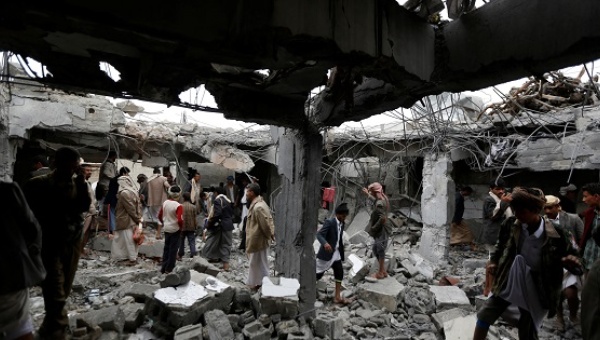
(323, 265)
(14, 310)
(521, 291)
(244, 200)
(258, 267)
(507, 213)
(123, 247)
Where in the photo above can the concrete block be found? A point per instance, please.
(217, 325)
(329, 326)
(179, 276)
(153, 249)
(190, 332)
(412, 270)
(286, 328)
(134, 316)
(109, 319)
(460, 328)
(384, 293)
(279, 295)
(141, 292)
(201, 265)
(182, 296)
(361, 237)
(448, 297)
(279, 287)
(440, 318)
(420, 300)
(256, 331)
(359, 269)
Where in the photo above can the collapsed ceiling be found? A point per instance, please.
(261, 59)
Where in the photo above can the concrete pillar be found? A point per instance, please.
(437, 207)
(299, 163)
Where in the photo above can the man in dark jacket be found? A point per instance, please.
(590, 240)
(496, 208)
(331, 252)
(61, 219)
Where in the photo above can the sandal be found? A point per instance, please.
(343, 301)
(378, 276)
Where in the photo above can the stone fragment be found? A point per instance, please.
(384, 294)
(328, 326)
(285, 328)
(470, 265)
(217, 325)
(190, 332)
(359, 222)
(201, 265)
(279, 295)
(448, 297)
(359, 269)
(440, 318)
(460, 328)
(152, 249)
(101, 243)
(419, 299)
(256, 331)
(178, 277)
(412, 270)
(109, 319)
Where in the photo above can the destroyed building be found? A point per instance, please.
(261, 62)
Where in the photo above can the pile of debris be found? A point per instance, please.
(552, 92)
(419, 300)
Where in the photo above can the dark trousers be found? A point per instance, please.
(170, 252)
(242, 245)
(190, 236)
(61, 265)
(495, 306)
(338, 271)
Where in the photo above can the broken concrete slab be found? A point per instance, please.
(469, 265)
(359, 222)
(329, 326)
(179, 276)
(152, 249)
(190, 332)
(141, 292)
(359, 269)
(183, 296)
(361, 237)
(412, 270)
(461, 328)
(420, 299)
(109, 319)
(384, 293)
(286, 328)
(279, 287)
(448, 297)
(440, 318)
(217, 325)
(279, 295)
(134, 316)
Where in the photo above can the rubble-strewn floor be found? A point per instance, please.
(119, 299)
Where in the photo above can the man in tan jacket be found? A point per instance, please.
(157, 195)
(260, 231)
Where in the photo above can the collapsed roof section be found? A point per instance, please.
(382, 56)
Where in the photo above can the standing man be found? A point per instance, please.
(61, 219)
(260, 231)
(590, 304)
(591, 232)
(527, 267)
(190, 224)
(331, 252)
(39, 166)
(108, 171)
(460, 233)
(232, 191)
(157, 195)
(568, 197)
(194, 188)
(496, 208)
(89, 217)
(571, 283)
(142, 181)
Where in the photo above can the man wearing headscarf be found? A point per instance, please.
(171, 217)
(157, 195)
(496, 208)
(380, 227)
(571, 283)
(331, 252)
(527, 266)
(128, 217)
(568, 197)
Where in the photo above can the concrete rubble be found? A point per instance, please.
(201, 301)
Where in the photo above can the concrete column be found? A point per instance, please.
(299, 163)
(437, 207)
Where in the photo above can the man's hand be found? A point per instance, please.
(506, 198)
(328, 248)
(491, 268)
(571, 261)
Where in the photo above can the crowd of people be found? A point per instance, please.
(49, 235)
(540, 256)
